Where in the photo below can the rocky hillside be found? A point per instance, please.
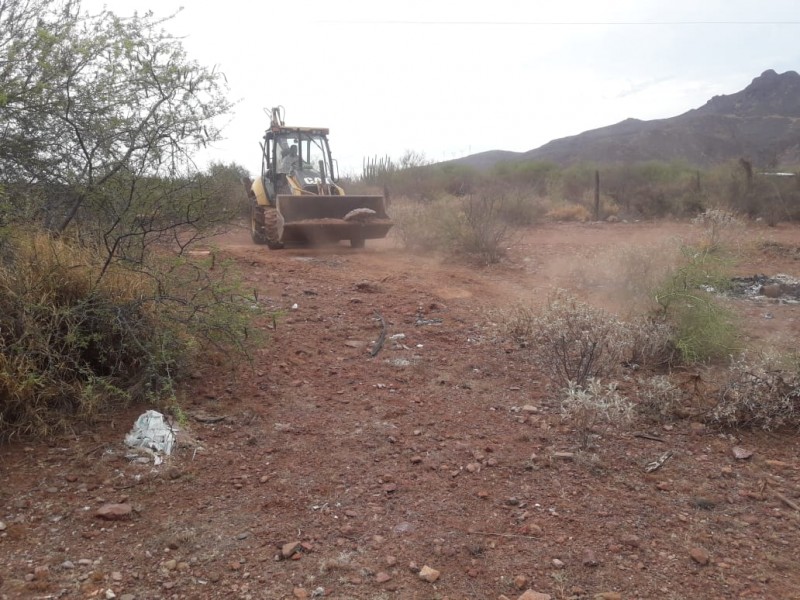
(761, 123)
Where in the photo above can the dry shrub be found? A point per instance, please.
(635, 273)
(759, 393)
(608, 207)
(424, 225)
(593, 404)
(520, 324)
(520, 209)
(626, 276)
(485, 234)
(651, 344)
(575, 342)
(572, 340)
(471, 226)
(720, 227)
(569, 212)
(659, 398)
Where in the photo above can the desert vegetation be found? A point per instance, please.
(460, 210)
(103, 300)
(685, 322)
(101, 205)
(679, 316)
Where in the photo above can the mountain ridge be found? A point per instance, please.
(760, 123)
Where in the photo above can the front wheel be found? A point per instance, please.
(273, 227)
(266, 226)
(257, 231)
(357, 243)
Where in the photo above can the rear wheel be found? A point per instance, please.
(357, 243)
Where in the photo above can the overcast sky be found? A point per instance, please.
(449, 79)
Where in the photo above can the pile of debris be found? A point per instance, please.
(781, 287)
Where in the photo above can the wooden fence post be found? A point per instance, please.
(597, 195)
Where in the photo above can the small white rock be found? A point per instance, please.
(428, 574)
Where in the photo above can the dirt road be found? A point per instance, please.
(445, 450)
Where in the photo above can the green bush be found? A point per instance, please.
(704, 328)
(222, 183)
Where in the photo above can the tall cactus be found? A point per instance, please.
(377, 170)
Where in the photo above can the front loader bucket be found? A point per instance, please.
(319, 219)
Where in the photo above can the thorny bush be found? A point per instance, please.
(758, 393)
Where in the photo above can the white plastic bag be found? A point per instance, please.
(152, 432)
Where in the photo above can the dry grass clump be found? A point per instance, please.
(67, 342)
(569, 212)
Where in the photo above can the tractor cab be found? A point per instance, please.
(300, 156)
(297, 160)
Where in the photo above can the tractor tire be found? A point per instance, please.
(257, 231)
(266, 226)
(273, 228)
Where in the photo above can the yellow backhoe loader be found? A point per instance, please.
(298, 200)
